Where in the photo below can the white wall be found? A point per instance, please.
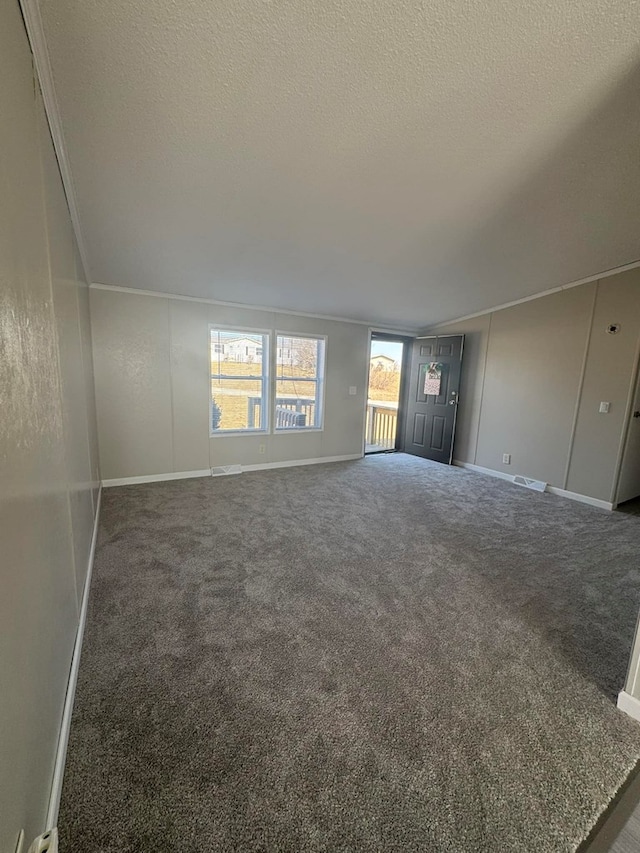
(534, 376)
(48, 452)
(152, 384)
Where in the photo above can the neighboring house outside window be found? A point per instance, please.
(239, 381)
(383, 362)
(241, 348)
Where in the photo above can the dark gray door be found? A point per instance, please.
(433, 397)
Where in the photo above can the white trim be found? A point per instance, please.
(234, 433)
(37, 41)
(381, 330)
(206, 472)
(302, 430)
(156, 478)
(63, 738)
(490, 472)
(367, 380)
(614, 271)
(584, 499)
(408, 331)
(553, 490)
(629, 704)
(294, 463)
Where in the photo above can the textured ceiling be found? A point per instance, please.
(394, 160)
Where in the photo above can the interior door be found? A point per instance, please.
(433, 397)
(629, 483)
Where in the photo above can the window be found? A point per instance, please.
(299, 382)
(239, 381)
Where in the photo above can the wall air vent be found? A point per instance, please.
(528, 483)
(225, 470)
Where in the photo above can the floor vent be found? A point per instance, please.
(536, 485)
(225, 470)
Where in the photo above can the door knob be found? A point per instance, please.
(636, 414)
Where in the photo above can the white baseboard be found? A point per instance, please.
(156, 478)
(490, 472)
(584, 499)
(293, 463)
(563, 493)
(63, 739)
(206, 472)
(629, 704)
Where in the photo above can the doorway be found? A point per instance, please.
(388, 358)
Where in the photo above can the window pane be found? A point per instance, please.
(238, 381)
(298, 397)
(236, 347)
(239, 405)
(300, 372)
(298, 356)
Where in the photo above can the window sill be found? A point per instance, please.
(280, 430)
(225, 433)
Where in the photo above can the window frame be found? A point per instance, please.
(320, 381)
(265, 377)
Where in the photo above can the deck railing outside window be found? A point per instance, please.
(381, 425)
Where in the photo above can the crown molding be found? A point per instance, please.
(35, 34)
(596, 277)
(269, 309)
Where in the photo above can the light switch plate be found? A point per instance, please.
(353, 390)
(604, 408)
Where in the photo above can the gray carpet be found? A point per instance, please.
(384, 655)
